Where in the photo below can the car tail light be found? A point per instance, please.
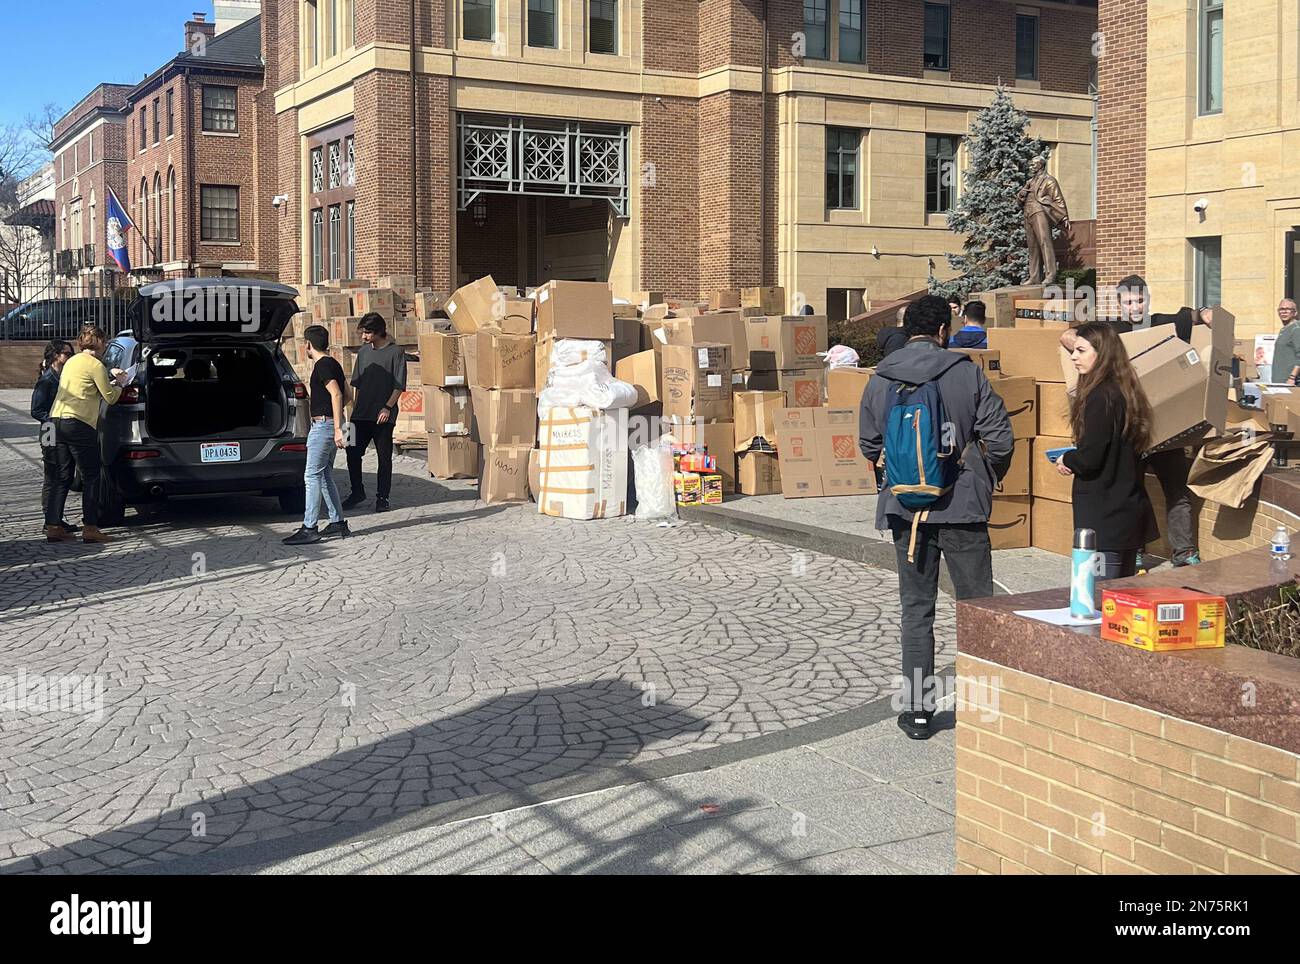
(299, 390)
(136, 455)
(293, 447)
(130, 394)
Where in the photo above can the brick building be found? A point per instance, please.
(1199, 108)
(201, 169)
(89, 151)
(659, 144)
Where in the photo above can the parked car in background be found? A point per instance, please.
(47, 318)
(214, 407)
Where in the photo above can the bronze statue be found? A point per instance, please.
(1044, 208)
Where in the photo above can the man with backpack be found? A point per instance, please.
(946, 440)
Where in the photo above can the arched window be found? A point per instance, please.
(157, 217)
(171, 214)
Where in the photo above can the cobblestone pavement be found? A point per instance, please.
(448, 651)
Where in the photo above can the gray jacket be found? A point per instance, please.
(981, 427)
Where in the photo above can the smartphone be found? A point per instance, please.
(1054, 455)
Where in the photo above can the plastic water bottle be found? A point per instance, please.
(1083, 574)
(1281, 544)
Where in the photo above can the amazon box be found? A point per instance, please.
(697, 382)
(1045, 480)
(789, 342)
(503, 474)
(845, 386)
(1051, 526)
(1029, 352)
(758, 473)
(470, 307)
(644, 371)
(575, 309)
(1185, 401)
(1009, 522)
(429, 305)
(448, 411)
(1001, 302)
(452, 456)
(514, 316)
(1054, 410)
(756, 416)
(770, 301)
(1016, 481)
(442, 360)
(988, 359)
(1020, 396)
(502, 361)
(504, 416)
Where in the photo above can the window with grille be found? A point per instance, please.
(317, 245)
(936, 36)
(477, 18)
(350, 162)
(219, 110)
(603, 26)
(317, 170)
(842, 167)
(336, 241)
(541, 23)
(852, 48)
(352, 239)
(219, 213)
(940, 173)
(816, 36)
(336, 165)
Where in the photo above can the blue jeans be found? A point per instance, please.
(320, 474)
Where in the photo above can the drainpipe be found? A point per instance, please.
(190, 174)
(415, 220)
(762, 165)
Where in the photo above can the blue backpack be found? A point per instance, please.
(920, 464)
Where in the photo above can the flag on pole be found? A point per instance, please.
(117, 224)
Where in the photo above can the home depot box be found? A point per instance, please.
(644, 371)
(1053, 409)
(470, 306)
(758, 473)
(344, 332)
(442, 361)
(844, 469)
(1161, 620)
(582, 464)
(331, 304)
(845, 386)
(787, 342)
(410, 415)
(1009, 522)
(697, 382)
(402, 285)
(771, 301)
(802, 388)
(723, 299)
(501, 360)
(756, 416)
(723, 328)
(346, 357)
(1035, 353)
(1046, 481)
(504, 416)
(452, 456)
(718, 439)
(1052, 526)
(503, 474)
(378, 301)
(404, 330)
(990, 360)
(448, 411)
(796, 449)
(1016, 481)
(1020, 396)
(575, 309)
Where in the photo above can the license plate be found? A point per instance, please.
(219, 452)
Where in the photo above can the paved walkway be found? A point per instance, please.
(448, 660)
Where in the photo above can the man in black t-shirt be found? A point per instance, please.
(323, 441)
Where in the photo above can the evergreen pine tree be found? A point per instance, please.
(987, 213)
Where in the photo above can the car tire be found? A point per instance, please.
(292, 502)
(112, 506)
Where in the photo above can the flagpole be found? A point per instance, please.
(130, 220)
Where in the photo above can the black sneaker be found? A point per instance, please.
(303, 537)
(354, 500)
(339, 529)
(381, 505)
(69, 527)
(916, 724)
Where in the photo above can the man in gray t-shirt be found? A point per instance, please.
(379, 377)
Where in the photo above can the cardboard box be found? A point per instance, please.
(796, 450)
(575, 309)
(1016, 481)
(989, 359)
(346, 357)
(758, 473)
(411, 415)
(514, 316)
(1052, 526)
(844, 469)
(1044, 480)
(503, 474)
(1009, 522)
(697, 382)
(1000, 303)
(1055, 313)
(442, 360)
(786, 342)
(331, 304)
(688, 488)
(470, 306)
(452, 456)
(583, 465)
(645, 371)
(429, 305)
(501, 360)
(379, 301)
(1054, 410)
(724, 328)
(404, 330)
(718, 439)
(803, 388)
(770, 301)
(504, 416)
(796, 419)
(343, 332)
(1184, 400)
(448, 411)
(719, 300)
(845, 386)
(1020, 396)
(1163, 619)
(644, 299)
(756, 417)
(1035, 353)
(627, 339)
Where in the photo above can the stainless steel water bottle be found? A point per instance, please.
(1083, 574)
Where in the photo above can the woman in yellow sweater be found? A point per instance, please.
(83, 384)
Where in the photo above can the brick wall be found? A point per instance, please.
(111, 96)
(1121, 140)
(730, 250)
(982, 44)
(670, 213)
(670, 34)
(1056, 780)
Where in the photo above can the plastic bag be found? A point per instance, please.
(573, 351)
(652, 468)
(841, 356)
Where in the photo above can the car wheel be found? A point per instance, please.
(112, 507)
(293, 501)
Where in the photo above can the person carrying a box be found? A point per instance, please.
(1110, 418)
(379, 376)
(931, 407)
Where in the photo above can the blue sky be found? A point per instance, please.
(57, 50)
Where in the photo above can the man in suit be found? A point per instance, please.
(1044, 208)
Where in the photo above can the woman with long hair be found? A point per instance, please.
(1110, 418)
(83, 384)
(47, 386)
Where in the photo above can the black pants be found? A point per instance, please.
(1171, 469)
(970, 564)
(1118, 565)
(50, 465)
(381, 433)
(78, 448)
